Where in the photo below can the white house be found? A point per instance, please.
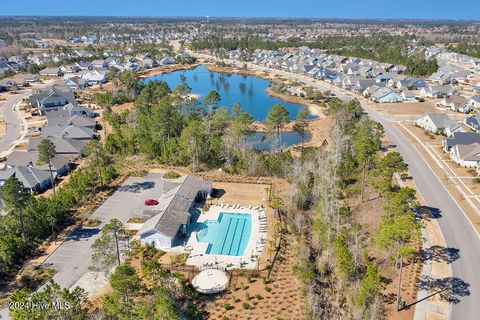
(95, 76)
(437, 122)
(466, 155)
(170, 219)
(474, 101)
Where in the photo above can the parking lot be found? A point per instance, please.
(73, 258)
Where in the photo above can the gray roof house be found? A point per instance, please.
(67, 131)
(51, 72)
(473, 122)
(73, 116)
(438, 91)
(60, 163)
(438, 122)
(170, 219)
(32, 178)
(460, 138)
(65, 146)
(52, 99)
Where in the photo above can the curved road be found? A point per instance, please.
(15, 123)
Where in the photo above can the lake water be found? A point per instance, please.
(250, 91)
(270, 142)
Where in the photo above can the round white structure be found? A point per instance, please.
(210, 281)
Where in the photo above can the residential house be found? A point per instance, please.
(84, 65)
(8, 84)
(438, 91)
(73, 82)
(170, 219)
(473, 122)
(466, 155)
(457, 103)
(63, 145)
(411, 84)
(409, 96)
(25, 79)
(51, 99)
(385, 95)
(99, 64)
(68, 131)
(60, 163)
(70, 68)
(437, 123)
(34, 179)
(460, 138)
(71, 117)
(166, 60)
(474, 101)
(95, 76)
(51, 72)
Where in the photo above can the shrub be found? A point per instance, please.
(228, 306)
(268, 289)
(246, 305)
(171, 175)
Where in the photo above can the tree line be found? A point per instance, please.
(337, 262)
(169, 127)
(382, 48)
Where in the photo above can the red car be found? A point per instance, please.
(151, 202)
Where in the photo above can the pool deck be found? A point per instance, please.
(200, 259)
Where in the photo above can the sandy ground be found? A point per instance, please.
(279, 299)
(407, 108)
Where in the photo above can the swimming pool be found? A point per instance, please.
(229, 235)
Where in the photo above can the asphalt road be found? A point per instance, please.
(457, 230)
(13, 121)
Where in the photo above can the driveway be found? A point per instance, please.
(73, 257)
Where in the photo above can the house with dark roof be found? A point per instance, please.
(473, 122)
(52, 99)
(460, 138)
(170, 219)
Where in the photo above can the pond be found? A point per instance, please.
(250, 91)
(270, 142)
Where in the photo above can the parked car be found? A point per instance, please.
(151, 202)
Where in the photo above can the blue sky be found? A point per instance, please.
(415, 9)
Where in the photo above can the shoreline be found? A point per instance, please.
(317, 127)
(167, 69)
(313, 108)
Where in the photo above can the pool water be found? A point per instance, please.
(229, 235)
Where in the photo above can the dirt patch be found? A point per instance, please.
(119, 108)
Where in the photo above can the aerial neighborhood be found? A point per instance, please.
(227, 168)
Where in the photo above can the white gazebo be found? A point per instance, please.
(210, 281)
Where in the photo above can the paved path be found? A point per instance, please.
(16, 124)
